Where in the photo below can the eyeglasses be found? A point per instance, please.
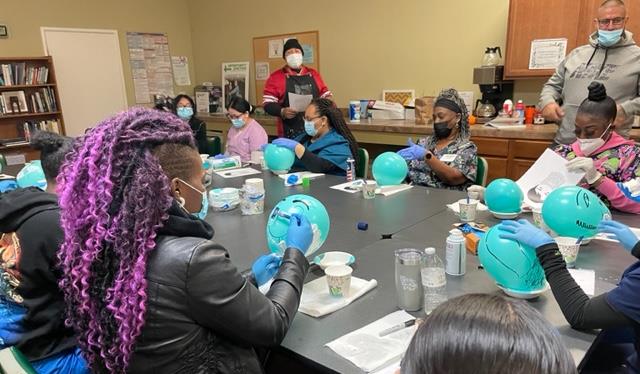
(230, 116)
(311, 119)
(618, 21)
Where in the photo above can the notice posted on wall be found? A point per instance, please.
(150, 65)
(180, 66)
(547, 53)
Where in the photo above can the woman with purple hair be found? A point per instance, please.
(146, 289)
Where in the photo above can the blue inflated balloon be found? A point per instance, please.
(278, 223)
(389, 169)
(32, 175)
(503, 196)
(511, 264)
(278, 158)
(574, 211)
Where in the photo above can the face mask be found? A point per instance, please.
(588, 146)
(185, 112)
(204, 207)
(294, 60)
(237, 122)
(607, 38)
(310, 128)
(441, 130)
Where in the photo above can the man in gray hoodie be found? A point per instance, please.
(611, 57)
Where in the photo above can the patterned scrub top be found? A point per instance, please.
(620, 164)
(466, 161)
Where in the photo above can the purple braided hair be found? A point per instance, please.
(108, 179)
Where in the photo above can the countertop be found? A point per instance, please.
(396, 127)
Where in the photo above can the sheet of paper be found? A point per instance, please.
(586, 279)
(301, 174)
(202, 102)
(392, 190)
(547, 53)
(455, 207)
(548, 173)
(390, 369)
(307, 54)
(299, 102)
(467, 97)
(234, 173)
(275, 48)
(262, 71)
(350, 187)
(180, 66)
(317, 302)
(370, 352)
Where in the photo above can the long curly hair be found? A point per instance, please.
(114, 196)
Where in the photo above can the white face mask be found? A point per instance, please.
(294, 60)
(588, 146)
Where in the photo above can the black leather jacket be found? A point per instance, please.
(203, 315)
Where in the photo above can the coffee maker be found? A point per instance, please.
(494, 89)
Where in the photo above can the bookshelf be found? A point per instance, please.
(29, 101)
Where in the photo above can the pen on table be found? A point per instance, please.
(579, 240)
(397, 327)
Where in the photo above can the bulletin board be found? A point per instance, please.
(267, 57)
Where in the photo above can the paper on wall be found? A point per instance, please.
(202, 101)
(275, 48)
(547, 53)
(180, 66)
(262, 71)
(547, 173)
(467, 97)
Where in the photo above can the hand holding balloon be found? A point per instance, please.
(625, 236)
(524, 232)
(300, 234)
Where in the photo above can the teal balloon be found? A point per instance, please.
(278, 158)
(511, 264)
(574, 211)
(278, 224)
(503, 196)
(389, 169)
(32, 175)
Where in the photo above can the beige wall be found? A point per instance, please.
(365, 45)
(25, 17)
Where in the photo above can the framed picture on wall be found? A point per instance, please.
(16, 102)
(235, 81)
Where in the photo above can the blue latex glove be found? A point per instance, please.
(414, 152)
(263, 147)
(524, 232)
(300, 234)
(265, 267)
(219, 156)
(625, 236)
(286, 143)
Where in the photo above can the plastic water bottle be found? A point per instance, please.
(520, 109)
(455, 255)
(434, 280)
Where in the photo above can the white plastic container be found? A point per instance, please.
(252, 197)
(456, 254)
(224, 199)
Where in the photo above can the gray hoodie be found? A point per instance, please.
(617, 67)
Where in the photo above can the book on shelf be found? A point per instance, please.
(42, 100)
(13, 142)
(19, 74)
(26, 129)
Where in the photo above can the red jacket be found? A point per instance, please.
(275, 89)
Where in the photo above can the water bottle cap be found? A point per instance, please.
(430, 251)
(455, 232)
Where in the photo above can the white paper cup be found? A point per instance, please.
(569, 249)
(369, 189)
(339, 280)
(256, 156)
(468, 210)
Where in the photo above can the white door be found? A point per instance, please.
(89, 74)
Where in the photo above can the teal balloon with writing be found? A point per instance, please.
(574, 211)
(503, 196)
(512, 265)
(278, 222)
(278, 158)
(389, 169)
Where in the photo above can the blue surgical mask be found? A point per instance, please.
(204, 207)
(607, 38)
(237, 122)
(185, 112)
(310, 128)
